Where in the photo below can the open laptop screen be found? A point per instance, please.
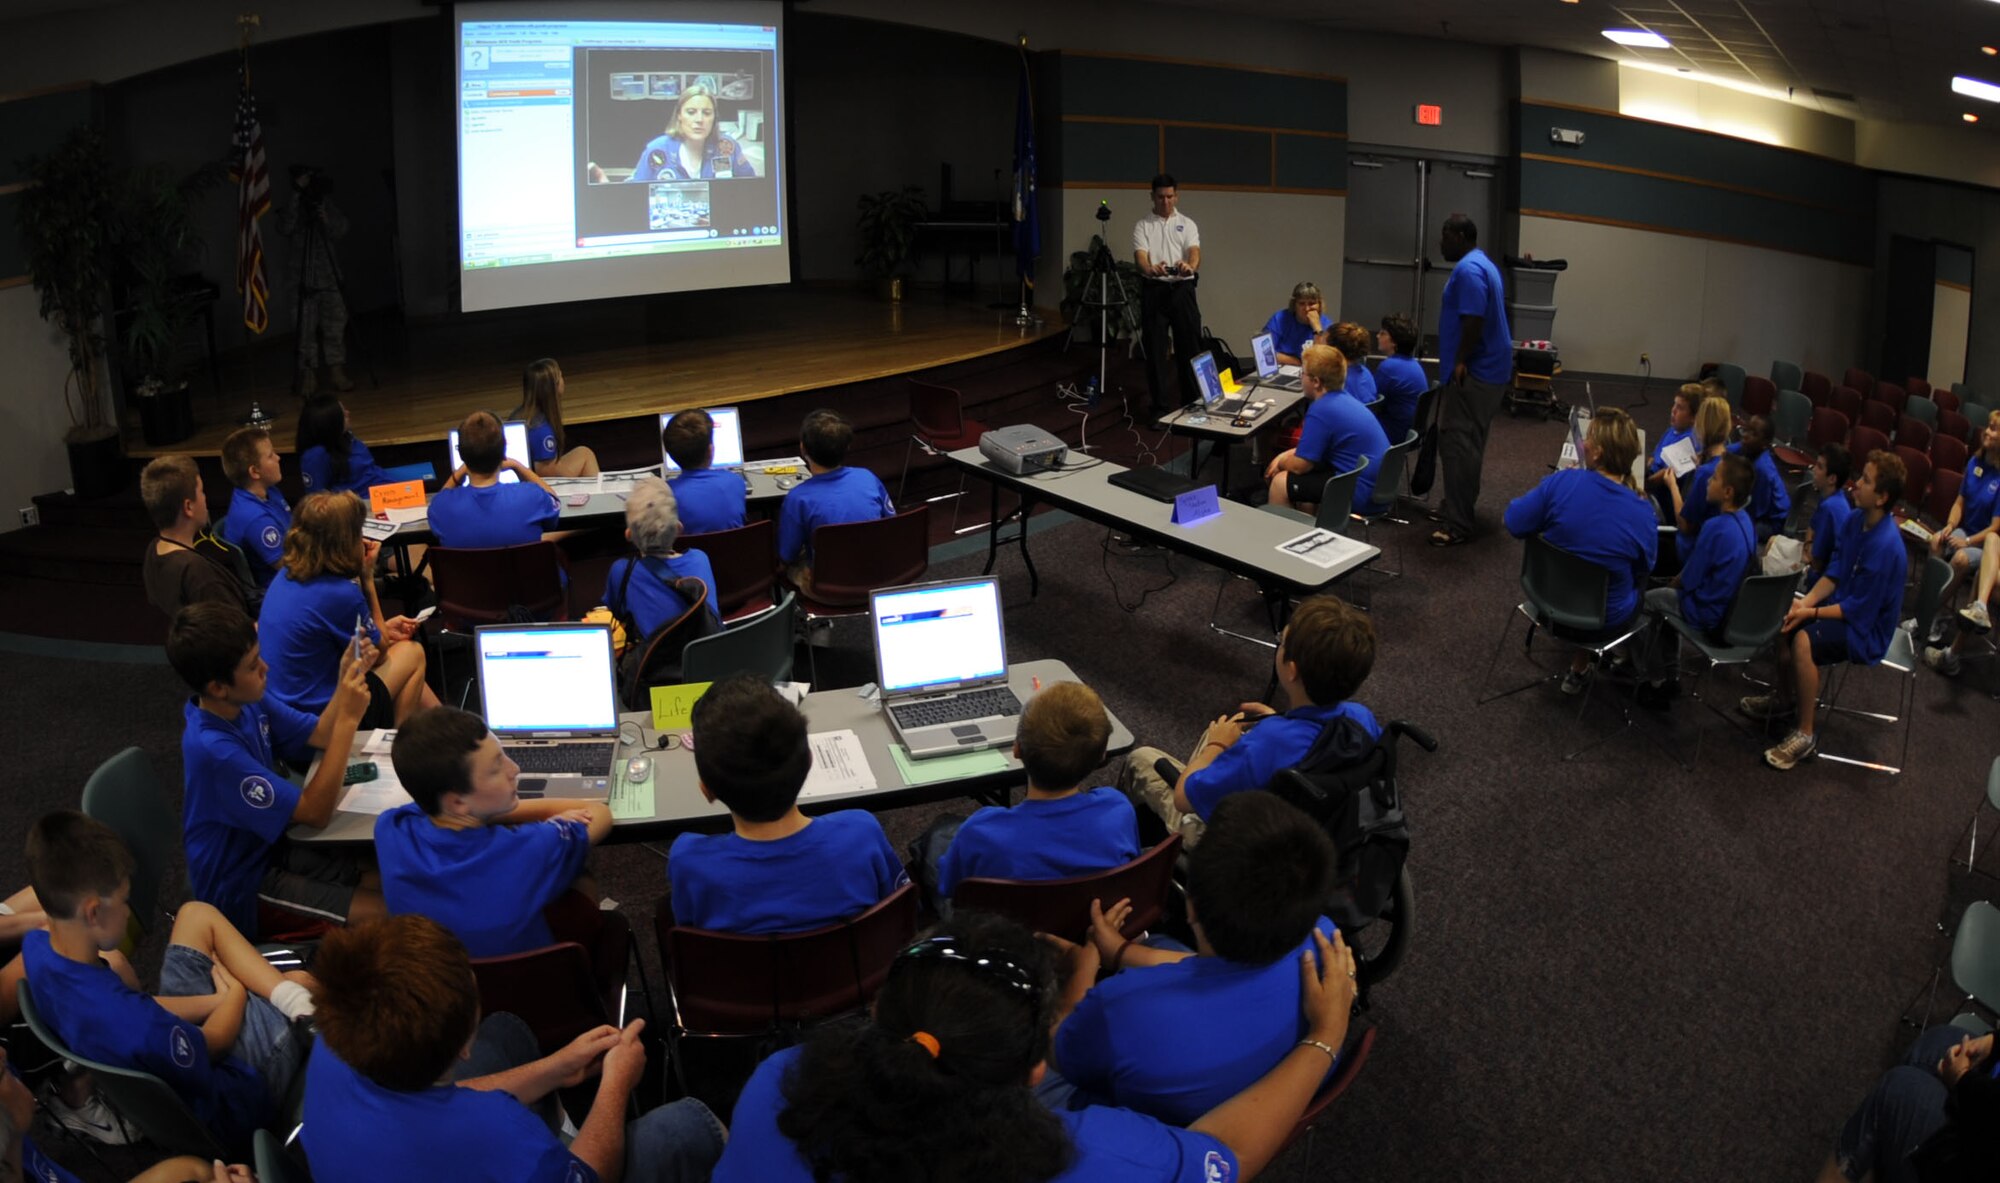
(1206, 379)
(515, 433)
(936, 634)
(1267, 355)
(728, 436)
(547, 677)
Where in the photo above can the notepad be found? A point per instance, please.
(962, 766)
(1679, 456)
(629, 801)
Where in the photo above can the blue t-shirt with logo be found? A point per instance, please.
(470, 517)
(541, 441)
(1276, 743)
(488, 885)
(1401, 383)
(1339, 433)
(256, 526)
(1828, 518)
(1716, 567)
(1867, 572)
(710, 499)
(1696, 507)
(101, 1018)
(1594, 517)
(1041, 838)
(1112, 1145)
(1475, 289)
(304, 628)
(357, 1129)
(1289, 334)
(316, 470)
(645, 593)
(840, 865)
(1981, 491)
(1770, 501)
(830, 499)
(237, 802)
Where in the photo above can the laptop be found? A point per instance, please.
(515, 433)
(1268, 373)
(728, 437)
(549, 694)
(1209, 383)
(1155, 482)
(941, 661)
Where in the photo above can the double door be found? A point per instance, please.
(1396, 204)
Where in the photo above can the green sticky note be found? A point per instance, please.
(965, 765)
(629, 800)
(673, 706)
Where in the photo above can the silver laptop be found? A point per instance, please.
(941, 661)
(549, 693)
(1265, 350)
(726, 434)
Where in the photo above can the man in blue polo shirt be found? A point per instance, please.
(1323, 657)
(832, 496)
(1707, 585)
(1337, 435)
(1476, 355)
(1964, 539)
(1172, 1034)
(1849, 615)
(468, 852)
(1297, 324)
(475, 509)
(259, 515)
(708, 498)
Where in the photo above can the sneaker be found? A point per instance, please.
(1939, 624)
(93, 1119)
(1975, 618)
(1797, 746)
(1574, 680)
(1944, 661)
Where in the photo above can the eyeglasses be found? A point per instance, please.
(990, 965)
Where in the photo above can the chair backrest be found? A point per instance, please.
(1976, 415)
(1953, 424)
(1859, 379)
(1913, 431)
(1732, 376)
(937, 411)
(1945, 484)
(1828, 427)
(1863, 440)
(1570, 591)
(1930, 592)
(1917, 387)
(125, 794)
(1947, 400)
(1389, 481)
(1847, 400)
(761, 645)
(1758, 610)
(655, 659)
(1817, 387)
(1921, 407)
(1062, 906)
(1878, 415)
(1352, 1060)
(495, 585)
(729, 984)
(149, 1103)
(1760, 396)
(1791, 419)
(1948, 451)
(1786, 375)
(1425, 401)
(274, 1163)
(1917, 474)
(1890, 394)
(1336, 499)
(854, 558)
(745, 563)
(554, 990)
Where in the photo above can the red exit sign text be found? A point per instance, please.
(1429, 115)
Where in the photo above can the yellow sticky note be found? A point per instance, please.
(1229, 385)
(673, 706)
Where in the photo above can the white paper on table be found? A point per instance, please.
(376, 530)
(380, 795)
(406, 515)
(1321, 548)
(379, 742)
(1680, 456)
(840, 765)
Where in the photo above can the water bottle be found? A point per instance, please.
(1090, 394)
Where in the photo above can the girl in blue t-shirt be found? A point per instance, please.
(331, 460)
(1712, 421)
(541, 410)
(938, 1083)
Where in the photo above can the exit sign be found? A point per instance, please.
(1429, 115)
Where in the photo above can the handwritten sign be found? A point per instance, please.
(673, 706)
(1197, 505)
(397, 495)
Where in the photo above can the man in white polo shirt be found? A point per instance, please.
(1168, 249)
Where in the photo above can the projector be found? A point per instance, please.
(1023, 448)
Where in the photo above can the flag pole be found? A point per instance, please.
(1025, 187)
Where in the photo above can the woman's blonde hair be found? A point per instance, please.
(1326, 365)
(1617, 440)
(1712, 421)
(697, 91)
(325, 538)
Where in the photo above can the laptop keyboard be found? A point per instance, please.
(582, 759)
(973, 704)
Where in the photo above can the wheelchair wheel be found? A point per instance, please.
(1379, 947)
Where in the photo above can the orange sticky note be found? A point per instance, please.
(396, 495)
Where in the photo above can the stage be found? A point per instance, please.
(620, 359)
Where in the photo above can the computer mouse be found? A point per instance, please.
(786, 482)
(639, 770)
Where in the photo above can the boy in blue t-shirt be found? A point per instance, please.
(1256, 885)
(407, 1084)
(1707, 585)
(1053, 833)
(258, 515)
(1831, 470)
(1323, 657)
(1771, 501)
(220, 1031)
(239, 802)
(1680, 426)
(777, 870)
(1849, 615)
(468, 852)
(710, 499)
(475, 510)
(833, 495)
(1337, 435)
(1399, 379)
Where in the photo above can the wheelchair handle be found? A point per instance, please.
(1424, 739)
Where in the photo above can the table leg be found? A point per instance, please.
(992, 526)
(1034, 580)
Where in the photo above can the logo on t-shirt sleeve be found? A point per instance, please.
(578, 1173)
(1216, 1168)
(306, 479)
(271, 536)
(548, 443)
(180, 1046)
(258, 793)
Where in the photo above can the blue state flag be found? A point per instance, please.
(1027, 220)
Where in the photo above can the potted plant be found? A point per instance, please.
(154, 238)
(888, 224)
(64, 219)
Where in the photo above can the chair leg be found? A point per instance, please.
(1495, 662)
(1215, 610)
(903, 484)
(1905, 705)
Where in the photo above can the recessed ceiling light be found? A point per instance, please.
(1974, 88)
(1989, 50)
(1969, 117)
(1641, 39)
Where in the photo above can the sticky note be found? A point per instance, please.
(1229, 385)
(1197, 505)
(673, 706)
(396, 495)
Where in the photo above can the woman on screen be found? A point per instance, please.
(691, 149)
(541, 409)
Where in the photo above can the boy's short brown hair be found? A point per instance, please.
(1063, 733)
(1891, 476)
(1691, 393)
(396, 999)
(1333, 644)
(166, 484)
(71, 856)
(239, 453)
(687, 437)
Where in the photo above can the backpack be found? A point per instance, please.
(210, 545)
(656, 660)
(1347, 783)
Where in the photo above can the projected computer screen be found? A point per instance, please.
(515, 433)
(726, 433)
(615, 149)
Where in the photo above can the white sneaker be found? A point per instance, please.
(1975, 618)
(1944, 661)
(93, 1119)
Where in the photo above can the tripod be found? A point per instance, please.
(310, 214)
(1097, 289)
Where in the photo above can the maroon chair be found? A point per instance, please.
(1847, 400)
(1828, 427)
(1914, 432)
(1945, 483)
(745, 562)
(1863, 440)
(1817, 387)
(1352, 1058)
(1949, 451)
(1953, 424)
(1946, 400)
(559, 991)
(1859, 379)
(1760, 396)
(853, 559)
(938, 414)
(1892, 395)
(1062, 906)
(1878, 415)
(1917, 478)
(494, 585)
(1917, 388)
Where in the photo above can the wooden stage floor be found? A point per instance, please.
(634, 358)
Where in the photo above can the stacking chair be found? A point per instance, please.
(1917, 482)
(1859, 379)
(851, 560)
(763, 645)
(1565, 595)
(1990, 801)
(1789, 428)
(745, 564)
(1976, 415)
(493, 585)
(1974, 964)
(1760, 397)
(1901, 660)
(1951, 423)
(1920, 406)
(1817, 387)
(1786, 375)
(1732, 376)
(1847, 400)
(1948, 453)
(1062, 906)
(560, 990)
(276, 1164)
(937, 413)
(1382, 505)
(1863, 440)
(1914, 432)
(1753, 621)
(145, 1101)
(1334, 513)
(1879, 416)
(1352, 1058)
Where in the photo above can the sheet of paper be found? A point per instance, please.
(1321, 548)
(630, 801)
(840, 765)
(673, 706)
(1916, 530)
(398, 517)
(377, 530)
(1680, 456)
(380, 795)
(376, 743)
(954, 767)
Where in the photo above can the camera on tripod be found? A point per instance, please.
(1104, 211)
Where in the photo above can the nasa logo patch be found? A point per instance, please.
(271, 536)
(1217, 1169)
(257, 792)
(549, 443)
(180, 1047)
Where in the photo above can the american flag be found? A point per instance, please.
(253, 201)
